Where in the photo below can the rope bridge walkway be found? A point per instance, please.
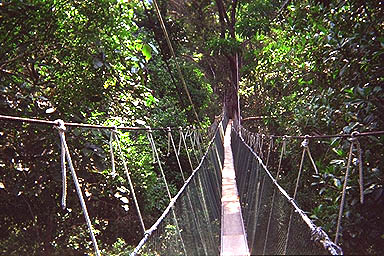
(268, 221)
(231, 204)
(233, 235)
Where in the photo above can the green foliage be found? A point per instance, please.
(88, 62)
(313, 67)
(222, 46)
(316, 70)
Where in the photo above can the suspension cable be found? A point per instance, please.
(327, 136)
(81, 125)
(174, 56)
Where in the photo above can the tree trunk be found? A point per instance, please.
(231, 97)
(231, 93)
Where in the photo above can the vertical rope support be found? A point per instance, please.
(304, 144)
(283, 149)
(341, 208)
(180, 139)
(361, 178)
(193, 142)
(186, 148)
(261, 145)
(151, 140)
(269, 150)
(197, 141)
(273, 195)
(168, 143)
(63, 172)
(167, 187)
(311, 158)
(175, 150)
(237, 89)
(61, 128)
(187, 191)
(152, 148)
(112, 135)
(255, 146)
(130, 182)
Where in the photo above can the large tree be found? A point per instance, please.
(88, 62)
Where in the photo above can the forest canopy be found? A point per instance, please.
(276, 66)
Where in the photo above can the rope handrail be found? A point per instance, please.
(325, 136)
(89, 126)
(317, 233)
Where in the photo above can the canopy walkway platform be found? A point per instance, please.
(233, 236)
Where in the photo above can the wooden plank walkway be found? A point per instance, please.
(233, 236)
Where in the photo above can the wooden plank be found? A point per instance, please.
(233, 236)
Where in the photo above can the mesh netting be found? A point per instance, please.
(191, 223)
(274, 223)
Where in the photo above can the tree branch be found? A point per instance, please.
(254, 118)
(233, 13)
(223, 17)
(281, 9)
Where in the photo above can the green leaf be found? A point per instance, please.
(147, 51)
(109, 82)
(150, 100)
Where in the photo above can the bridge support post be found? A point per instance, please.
(233, 235)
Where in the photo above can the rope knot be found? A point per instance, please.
(60, 125)
(305, 142)
(319, 236)
(353, 138)
(114, 128)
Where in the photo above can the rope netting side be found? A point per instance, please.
(274, 222)
(190, 225)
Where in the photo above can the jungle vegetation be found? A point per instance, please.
(304, 67)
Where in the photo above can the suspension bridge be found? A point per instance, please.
(231, 204)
